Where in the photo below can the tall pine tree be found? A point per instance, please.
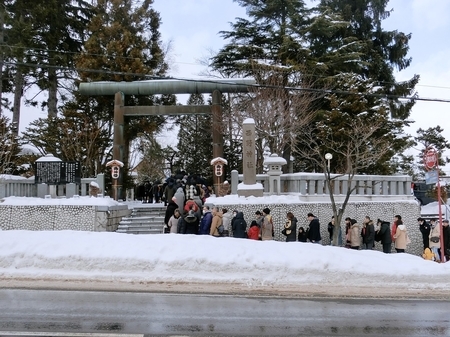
(195, 141)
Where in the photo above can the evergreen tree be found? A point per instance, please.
(357, 58)
(380, 51)
(270, 47)
(59, 31)
(195, 141)
(8, 147)
(125, 44)
(271, 37)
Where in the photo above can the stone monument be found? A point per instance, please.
(249, 187)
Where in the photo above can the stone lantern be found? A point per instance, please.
(274, 163)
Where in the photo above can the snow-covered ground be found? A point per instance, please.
(171, 262)
(189, 263)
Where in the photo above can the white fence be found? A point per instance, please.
(313, 185)
(27, 188)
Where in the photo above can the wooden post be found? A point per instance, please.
(217, 134)
(118, 140)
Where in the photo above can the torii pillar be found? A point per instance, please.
(118, 140)
(217, 135)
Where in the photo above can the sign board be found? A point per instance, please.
(57, 172)
(430, 159)
(431, 177)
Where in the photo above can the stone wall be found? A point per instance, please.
(61, 217)
(409, 210)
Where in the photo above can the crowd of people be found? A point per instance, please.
(194, 218)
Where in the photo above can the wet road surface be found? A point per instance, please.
(153, 314)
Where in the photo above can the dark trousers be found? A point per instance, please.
(399, 250)
(387, 247)
(354, 247)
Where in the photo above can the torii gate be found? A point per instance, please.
(154, 87)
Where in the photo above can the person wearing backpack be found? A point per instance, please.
(239, 226)
(216, 222)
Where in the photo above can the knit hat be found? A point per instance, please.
(266, 211)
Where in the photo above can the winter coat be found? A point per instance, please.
(173, 224)
(226, 220)
(253, 233)
(330, 230)
(302, 236)
(355, 238)
(368, 233)
(191, 191)
(216, 222)
(205, 224)
(314, 230)
(171, 207)
(290, 230)
(179, 195)
(446, 233)
(189, 225)
(191, 204)
(267, 227)
(394, 228)
(435, 232)
(239, 226)
(260, 220)
(425, 229)
(169, 191)
(384, 233)
(400, 237)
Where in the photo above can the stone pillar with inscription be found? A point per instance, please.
(249, 187)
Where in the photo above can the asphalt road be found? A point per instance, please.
(152, 314)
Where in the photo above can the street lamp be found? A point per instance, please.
(328, 157)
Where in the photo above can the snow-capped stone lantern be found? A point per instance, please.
(115, 173)
(274, 164)
(218, 164)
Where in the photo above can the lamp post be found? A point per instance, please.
(328, 157)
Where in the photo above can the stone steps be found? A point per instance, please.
(144, 219)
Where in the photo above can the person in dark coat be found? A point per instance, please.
(169, 190)
(384, 235)
(446, 234)
(314, 229)
(189, 224)
(171, 207)
(302, 237)
(290, 228)
(425, 229)
(148, 193)
(239, 226)
(205, 223)
(368, 233)
(156, 192)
